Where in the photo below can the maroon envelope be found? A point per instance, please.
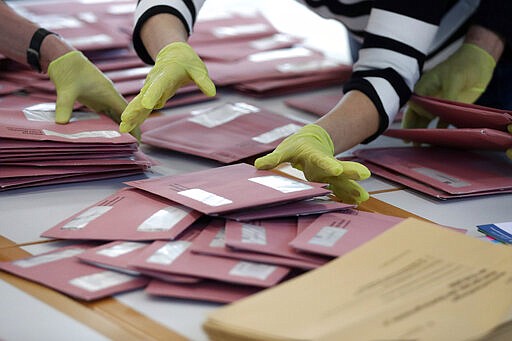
(275, 64)
(423, 187)
(292, 209)
(151, 218)
(117, 256)
(269, 236)
(231, 26)
(452, 171)
(226, 133)
(229, 51)
(463, 115)
(229, 188)
(281, 86)
(211, 241)
(61, 270)
(175, 257)
(334, 234)
(207, 290)
(464, 138)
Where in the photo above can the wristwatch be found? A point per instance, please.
(33, 54)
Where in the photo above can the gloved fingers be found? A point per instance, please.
(355, 170)
(111, 104)
(133, 115)
(348, 191)
(416, 117)
(318, 167)
(509, 128)
(161, 88)
(64, 106)
(137, 133)
(270, 160)
(202, 80)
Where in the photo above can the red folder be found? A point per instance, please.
(464, 138)
(229, 188)
(226, 133)
(61, 270)
(317, 104)
(463, 115)
(151, 218)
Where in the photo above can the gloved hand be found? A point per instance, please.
(176, 65)
(77, 79)
(311, 151)
(462, 77)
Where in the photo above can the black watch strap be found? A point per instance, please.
(33, 54)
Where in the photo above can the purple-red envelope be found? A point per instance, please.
(269, 236)
(226, 133)
(61, 270)
(463, 115)
(334, 234)
(150, 218)
(317, 104)
(229, 188)
(206, 290)
(463, 138)
(211, 241)
(176, 257)
(453, 171)
(118, 255)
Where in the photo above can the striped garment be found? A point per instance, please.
(400, 39)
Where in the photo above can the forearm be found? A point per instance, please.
(161, 30)
(351, 121)
(17, 33)
(486, 39)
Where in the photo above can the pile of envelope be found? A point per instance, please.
(36, 151)
(215, 235)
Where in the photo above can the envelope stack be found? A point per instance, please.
(36, 151)
(246, 52)
(215, 235)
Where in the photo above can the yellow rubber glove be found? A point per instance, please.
(462, 77)
(176, 65)
(77, 79)
(509, 151)
(311, 151)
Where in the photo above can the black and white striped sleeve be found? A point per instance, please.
(185, 10)
(397, 39)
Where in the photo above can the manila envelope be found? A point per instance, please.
(62, 271)
(416, 281)
(228, 188)
(151, 217)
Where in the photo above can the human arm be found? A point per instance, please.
(462, 77)
(381, 82)
(74, 76)
(160, 37)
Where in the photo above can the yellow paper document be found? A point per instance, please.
(416, 281)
